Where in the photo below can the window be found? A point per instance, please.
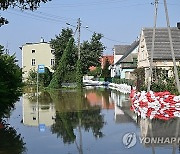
(33, 62)
(52, 62)
(33, 51)
(52, 51)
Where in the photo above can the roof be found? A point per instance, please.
(120, 49)
(36, 43)
(127, 57)
(104, 58)
(162, 50)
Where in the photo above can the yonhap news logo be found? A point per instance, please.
(130, 139)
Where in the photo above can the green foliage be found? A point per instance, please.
(161, 82)
(59, 45)
(79, 74)
(3, 21)
(91, 51)
(62, 68)
(11, 141)
(10, 82)
(66, 58)
(44, 78)
(96, 73)
(32, 77)
(11, 74)
(72, 107)
(105, 71)
(70, 77)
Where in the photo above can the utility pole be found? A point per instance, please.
(79, 35)
(172, 49)
(152, 49)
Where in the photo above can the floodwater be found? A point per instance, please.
(94, 121)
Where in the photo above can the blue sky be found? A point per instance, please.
(120, 21)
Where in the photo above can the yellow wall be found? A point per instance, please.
(42, 55)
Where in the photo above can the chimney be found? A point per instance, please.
(178, 25)
(42, 40)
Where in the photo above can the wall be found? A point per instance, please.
(42, 55)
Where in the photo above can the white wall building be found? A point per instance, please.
(119, 51)
(34, 54)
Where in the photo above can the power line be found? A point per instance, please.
(98, 5)
(88, 3)
(41, 16)
(55, 16)
(107, 38)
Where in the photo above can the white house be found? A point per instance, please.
(123, 56)
(128, 62)
(162, 51)
(34, 54)
(119, 51)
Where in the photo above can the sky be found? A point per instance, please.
(120, 21)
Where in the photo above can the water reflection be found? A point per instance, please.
(38, 112)
(78, 118)
(10, 140)
(50, 104)
(154, 133)
(68, 113)
(163, 132)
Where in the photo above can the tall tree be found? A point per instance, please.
(91, 51)
(59, 45)
(62, 68)
(20, 4)
(105, 71)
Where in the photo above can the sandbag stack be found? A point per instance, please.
(159, 105)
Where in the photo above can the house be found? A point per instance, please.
(34, 54)
(119, 51)
(128, 62)
(103, 59)
(162, 51)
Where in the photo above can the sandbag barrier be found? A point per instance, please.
(124, 88)
(155, 105)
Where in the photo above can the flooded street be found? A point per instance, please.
(91, 122)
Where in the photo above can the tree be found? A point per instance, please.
(11, 74)
(69, 115)
(79, 74)
(10, 82)
(59, 45)
(105, 71)
(20, 4)
(11, 141)
(44, 78)
(91, 51)
(96, 73)
(63, 66)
